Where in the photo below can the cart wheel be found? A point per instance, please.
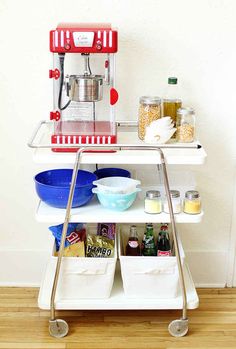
(58, 328)
(178, 328)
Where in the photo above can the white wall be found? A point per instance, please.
(194, 40)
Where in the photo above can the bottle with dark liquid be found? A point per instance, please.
(163, 245)
(132, 247)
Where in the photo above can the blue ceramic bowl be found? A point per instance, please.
(112, 172)
(53, 187)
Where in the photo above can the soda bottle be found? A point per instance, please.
(132, 247)
(148, 243)
(163, 244)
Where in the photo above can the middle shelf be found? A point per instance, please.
(93, 212)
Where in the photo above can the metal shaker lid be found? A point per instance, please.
(192, 194)
(174, 193)
(185, 111)
(152, 194)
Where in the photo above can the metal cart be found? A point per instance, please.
(59, 327)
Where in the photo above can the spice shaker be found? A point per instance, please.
(192, 202)
(149, 110)
(176, 202)
(153, 202)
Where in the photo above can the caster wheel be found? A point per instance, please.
(178, 328)
(58, 328)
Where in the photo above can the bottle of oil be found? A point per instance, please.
(171, 101)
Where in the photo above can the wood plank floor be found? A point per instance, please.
(23, 325)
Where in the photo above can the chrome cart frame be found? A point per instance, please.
(59, 327)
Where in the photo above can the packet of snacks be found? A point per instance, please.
(108, 230)
(99, 246)
(75, 239)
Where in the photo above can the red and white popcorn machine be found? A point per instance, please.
(84, 94)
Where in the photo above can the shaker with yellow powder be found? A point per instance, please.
(192, 202)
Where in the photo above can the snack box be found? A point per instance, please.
(84, 277)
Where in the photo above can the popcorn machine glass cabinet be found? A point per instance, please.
(84, 95)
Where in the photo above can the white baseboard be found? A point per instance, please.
(22, 268)
(25, 268)
(208, 268)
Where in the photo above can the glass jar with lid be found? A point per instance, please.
(192, 202)
(149, 110)
(153, 203)
(185, 125)
(176, 202)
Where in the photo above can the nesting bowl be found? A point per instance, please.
(53, 187)
(112, 172)
(114, 201)
(116, 185)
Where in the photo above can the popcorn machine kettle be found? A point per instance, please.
(83, 101)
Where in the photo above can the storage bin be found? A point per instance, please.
(85, 277)
(148, 277)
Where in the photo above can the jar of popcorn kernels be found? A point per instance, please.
(149, 110)
(185, 125)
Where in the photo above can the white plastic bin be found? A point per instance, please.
(148, 277)
(85, 277)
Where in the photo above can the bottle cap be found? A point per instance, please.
(172, 81)
(133, 229)
(152, 194)
(150, 100)
(164, 227)
(192, 194)
(149, 225)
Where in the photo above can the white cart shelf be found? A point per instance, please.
(135, 214)
(191, 155)
(117, 300)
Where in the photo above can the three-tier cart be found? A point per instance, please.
(128, 150)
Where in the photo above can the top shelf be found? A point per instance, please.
(175, 153)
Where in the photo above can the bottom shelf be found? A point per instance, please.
(117, 300)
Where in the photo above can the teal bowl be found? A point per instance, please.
(116, 202)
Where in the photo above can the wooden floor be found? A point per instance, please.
(23, 325)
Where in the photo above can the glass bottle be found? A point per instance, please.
(176, 202)
(185, 125)
(152, 203)
(148, 243)
(171, 101)
(149, 110)
(192, 202)
(163, 245)
(132, 247)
